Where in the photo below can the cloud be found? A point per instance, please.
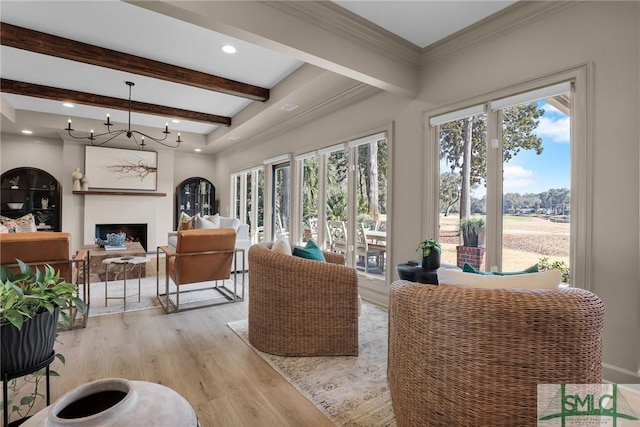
(516, 178)
(554, 130)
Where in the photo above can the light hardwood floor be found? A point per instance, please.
(196, 354)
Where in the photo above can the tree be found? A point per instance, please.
(449, 191)
(463, 145)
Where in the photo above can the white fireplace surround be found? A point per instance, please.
(153, 211)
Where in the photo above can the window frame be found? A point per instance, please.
(581, 163)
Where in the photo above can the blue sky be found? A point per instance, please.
(532, 173)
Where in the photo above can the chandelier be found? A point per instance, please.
(109, 134)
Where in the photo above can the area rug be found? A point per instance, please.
(350, 390)
(148, 298)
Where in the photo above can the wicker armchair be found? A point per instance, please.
(473, 357)
(300, 307)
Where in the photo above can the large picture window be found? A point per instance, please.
(505, 178)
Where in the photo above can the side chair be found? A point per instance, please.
(204, 255)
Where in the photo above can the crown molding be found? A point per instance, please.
(338, 20)
(353, 94)
(505, 21)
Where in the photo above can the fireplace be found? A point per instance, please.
(134, 232)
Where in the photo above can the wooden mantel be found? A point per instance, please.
(119, 193)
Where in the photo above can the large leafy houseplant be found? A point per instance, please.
(25, 297)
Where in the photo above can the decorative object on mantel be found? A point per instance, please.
(128, 132)
(77, 176)
(117, 402)
(14, 182)
(115, 168)
(85, 183)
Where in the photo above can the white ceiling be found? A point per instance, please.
(427, 21)
(139, 31)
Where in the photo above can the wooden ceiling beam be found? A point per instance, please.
(65, 95)
(47, 44)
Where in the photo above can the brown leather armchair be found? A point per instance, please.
(52, 248)
(203, 255)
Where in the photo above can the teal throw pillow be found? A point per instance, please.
(467, 268)
(310, 251)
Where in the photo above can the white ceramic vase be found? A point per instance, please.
(77, 176)
(117, 402)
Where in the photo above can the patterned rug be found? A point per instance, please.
(351, 391)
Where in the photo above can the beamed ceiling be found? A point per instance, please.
(315, 55)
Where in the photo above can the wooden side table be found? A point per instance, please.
(413, 272)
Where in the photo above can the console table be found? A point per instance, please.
(98, 254)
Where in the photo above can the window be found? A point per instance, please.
(309, 169)
(511, 168)
(281, 199)
(247, 193)
(356, 202)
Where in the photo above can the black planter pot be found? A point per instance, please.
(431, 262)
(29, 346)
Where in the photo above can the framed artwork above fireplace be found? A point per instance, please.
(116, 168)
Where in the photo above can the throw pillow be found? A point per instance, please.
(3, 229)
(24, 224)
(186, 222)
(214, 219)
(549, 279)
(310, 251)
(468, 268)
(282, 246)
(202, 223)
(229, 223)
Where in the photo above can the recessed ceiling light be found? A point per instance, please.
(197, 150)
(228, 49)
(175, 121)
(289, 107)
(67, 104)
(27, 132)
(234, 137)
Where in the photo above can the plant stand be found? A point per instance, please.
(8, 376)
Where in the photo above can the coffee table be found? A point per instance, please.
(98, 254)
(124, 261)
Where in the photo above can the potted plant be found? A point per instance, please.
(31, 303)
(431, 251)
(472, 230)
(545, 264)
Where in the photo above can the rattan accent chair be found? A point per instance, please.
(300, 307)
(473, 357)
